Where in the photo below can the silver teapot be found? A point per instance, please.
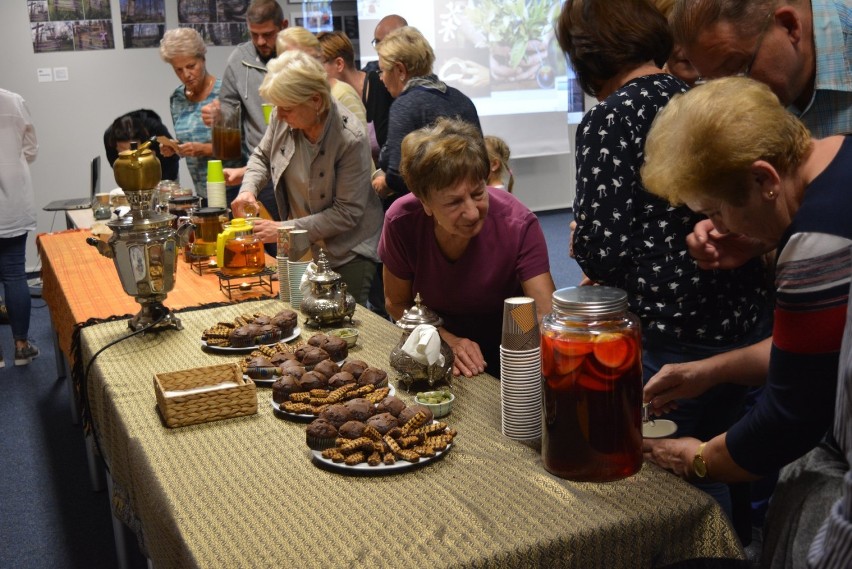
(328, 302)
(411, 371)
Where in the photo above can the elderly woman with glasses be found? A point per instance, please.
(405, 64)
(318, 157)
(463, 246)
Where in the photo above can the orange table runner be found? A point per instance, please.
(79, 285)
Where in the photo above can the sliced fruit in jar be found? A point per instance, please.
(563, 364)
(592, 383)
(570, 347)
(612, 350)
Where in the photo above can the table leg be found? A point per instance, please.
(119, 533)
(96, 469)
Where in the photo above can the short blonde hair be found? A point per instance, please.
(336, 44)
(500, 151)
(293, 78)
(407, 45)
(703, 143)
(439, 156)
(298, 38)
(182, 42)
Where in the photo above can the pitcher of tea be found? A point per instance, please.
(591, 363)
(239, 252)
(227, 144)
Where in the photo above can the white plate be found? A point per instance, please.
(248, 349)
(303, 416)
(383, 468)
(263, 382)
(658, 428)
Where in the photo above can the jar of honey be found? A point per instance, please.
(591, 362)
(239, 252)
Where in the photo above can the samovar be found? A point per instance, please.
(144, 245)
(411, 371)
(328, 302)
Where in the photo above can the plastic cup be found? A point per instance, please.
(215, 172)
(267, 112)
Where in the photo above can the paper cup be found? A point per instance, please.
(284, 242)
(300, 246)
(295, 270)
(520, 324)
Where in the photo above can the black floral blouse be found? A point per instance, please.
(629, 238)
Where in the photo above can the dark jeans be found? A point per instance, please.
(13, 274)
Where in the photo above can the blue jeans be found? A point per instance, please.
(13, 274)
(712, 412)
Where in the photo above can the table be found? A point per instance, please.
(244, 493)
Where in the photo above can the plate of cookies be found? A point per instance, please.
(249, 331)
(267, 364)
(348, 400)
(381, 444)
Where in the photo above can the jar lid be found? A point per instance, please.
(324, 273)
(184, 200)
(590, 300)
(419, 314)
(210, 211)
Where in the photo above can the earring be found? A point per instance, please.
(771, 194)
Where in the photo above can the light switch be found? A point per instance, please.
(60, 74)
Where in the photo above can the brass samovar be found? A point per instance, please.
(144, 244)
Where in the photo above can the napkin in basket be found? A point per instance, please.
(424, 345)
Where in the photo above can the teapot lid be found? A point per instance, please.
(210, 211)
(324, 274)
(419, 314)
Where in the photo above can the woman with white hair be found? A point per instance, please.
(184, 50)
(318, 157)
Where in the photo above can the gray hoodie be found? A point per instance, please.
(244, 73)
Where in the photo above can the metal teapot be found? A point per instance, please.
(410, 370)
(328, 302)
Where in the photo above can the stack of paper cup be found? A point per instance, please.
(520, 370)
(283, 275)
(299, 245)
(295, 271)
(216, 184)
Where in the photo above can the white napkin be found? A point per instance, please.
(424, 345)
(305, 283)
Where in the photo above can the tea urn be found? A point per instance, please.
(411, 371)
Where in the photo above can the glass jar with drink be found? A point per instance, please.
(591, 360)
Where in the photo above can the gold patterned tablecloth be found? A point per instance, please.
(244, 493)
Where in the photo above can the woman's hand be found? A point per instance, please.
(468, 360)
(234, 176)
(380, 186)
(714, 250)
(673, 382)
(266, 230)
(675, 455)
(195, 149)
(243, 199)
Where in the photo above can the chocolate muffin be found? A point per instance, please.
(241, 337)
(280, 357)
(293, 367)
(406, 414)
(360, 409)
(311, 355)
(286, 320)
(390, 404)
(373, 376)
(312, 380)
(260, 367)
(383, 422)
(355, 367)
(327, 368)
(267, 334)
(283, 387)
(340, 379)
(352, 429)
(336, 414)
(317, 340)
(320, 434)
(262, 320)
(337, 348)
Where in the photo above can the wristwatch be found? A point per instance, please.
(698, 463)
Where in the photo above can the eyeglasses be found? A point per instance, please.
(375, 42)
(746, 72)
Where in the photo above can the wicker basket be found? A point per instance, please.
(179, 410)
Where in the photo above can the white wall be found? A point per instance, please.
(71, 116)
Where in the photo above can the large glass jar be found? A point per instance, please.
(591, 362)
(239, 252)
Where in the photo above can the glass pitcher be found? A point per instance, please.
(227, 142)
(239, 252)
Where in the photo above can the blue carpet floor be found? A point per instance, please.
(49, 516)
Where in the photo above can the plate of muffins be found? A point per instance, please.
(395, 437)
(249, 331)
(268, 364)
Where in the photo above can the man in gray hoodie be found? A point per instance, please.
(243, 75)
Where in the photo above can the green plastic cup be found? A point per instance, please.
(214, 171)
(267, 111)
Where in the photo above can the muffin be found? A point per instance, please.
(283, 387)
(327, 368)
(267, 334)
(355, 367)
(336, 414)
(241, 337)
(280, 357)
(360, 409)
(285, 320)
(262, 320)
(373, 376)
(320, 434)
(340, 379)
(336, 348)
(390, 404)
(383, 422)
(317, 340)
(311, 355)
(352, 429)
(293, 367)
(312, 380)
(261, 367)
(406, 414)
